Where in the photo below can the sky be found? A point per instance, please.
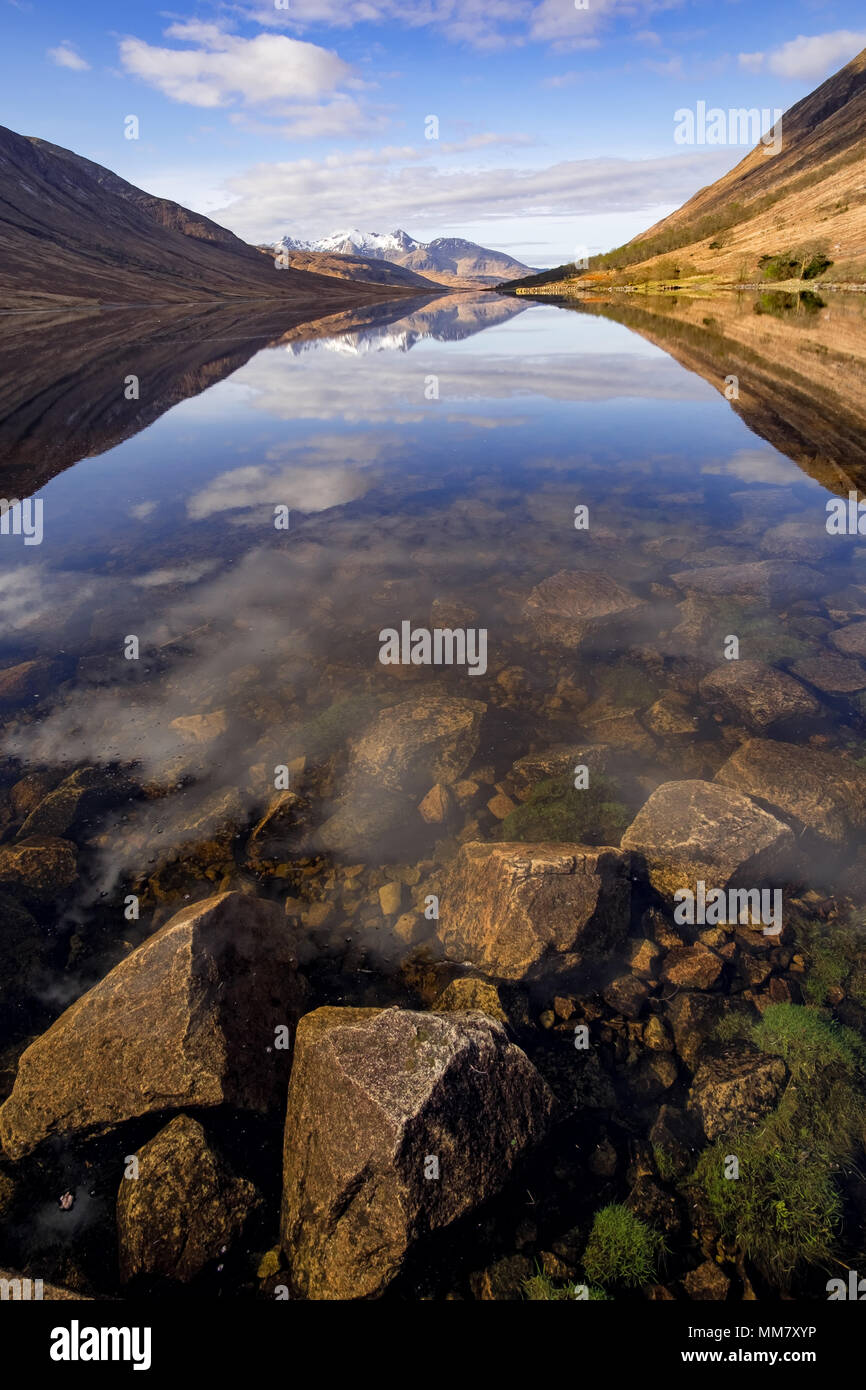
(544, 128)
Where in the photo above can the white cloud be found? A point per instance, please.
(313, 485)
(65, 56)
(269, 70)
(312, 197)
(485, 24)
(751, 62)
(807, 58)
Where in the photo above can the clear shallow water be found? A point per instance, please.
(396, 501)
(432, 467)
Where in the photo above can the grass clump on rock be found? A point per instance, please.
(621, 1248)
(557, 811)
(540, 1288)
(784, 1208)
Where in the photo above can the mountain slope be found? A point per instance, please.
(812, 191)
(74, 232)
(767, 217)
(446, 260)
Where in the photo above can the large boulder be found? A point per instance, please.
(407, 749)
(695, 830)
(823, 792)
(184, 1208)
(188, 1019)
(518, 911)
(758, 694)
(397, 1124)
(736, 1088)
(573, 605)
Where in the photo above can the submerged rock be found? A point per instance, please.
(25, 949)
(851, 639)
(772, 579)
(554, 763)
(397, 1124)
(707, 1282)
(41, 868)
(693, 1018)
(692, 967)
(835, 675)
(695, 830)
(183, 1210)
(822, 791)
(736, 1088)
(518, 911)
(29, 680)
(188, 1019)
(26, 794)
(675, 1137)
(274, 837)
(758, 694)
(470, 994)
(84, 794)
(407, 749)
(572, 605)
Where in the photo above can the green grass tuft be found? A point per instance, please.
(621, 1248)
(784, 1208)
(540, 1288)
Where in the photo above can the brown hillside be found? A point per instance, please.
(73, 232)
(812, 190)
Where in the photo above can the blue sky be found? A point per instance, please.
(555, 122)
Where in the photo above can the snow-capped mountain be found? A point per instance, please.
(380, 246)
(447, 260)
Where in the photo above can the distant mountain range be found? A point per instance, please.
(446, 260)
(72, 232)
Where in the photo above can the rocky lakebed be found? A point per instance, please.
(322, 978)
